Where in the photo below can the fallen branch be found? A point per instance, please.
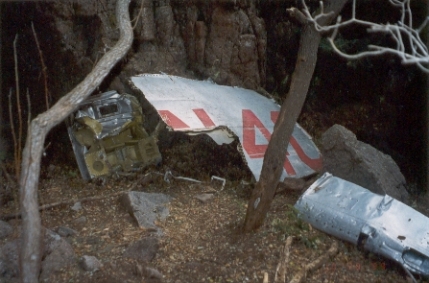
(280, 276)
(141, 180)
(315, 264)
(265, 278)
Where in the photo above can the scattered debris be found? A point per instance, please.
(360, 163)
(379, 224)
(107, 136)
(168, 176)
(216, 179)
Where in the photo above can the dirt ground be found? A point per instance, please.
(202, 242)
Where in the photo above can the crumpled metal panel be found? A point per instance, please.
(379, 224)
(225, 113)
(107, 136)
(111, 110)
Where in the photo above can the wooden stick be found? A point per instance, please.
(142, 179)
(280, 276)
(18, 106)
(12, 129)
(265, 278)
(315, 264)
(44, 68)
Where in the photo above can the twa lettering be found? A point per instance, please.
(250, 122)
(174, 122)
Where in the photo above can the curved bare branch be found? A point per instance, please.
(31, 224)
(402, 34)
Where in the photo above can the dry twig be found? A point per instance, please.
(136, 19)
(315, 264)
(12, 129)
(280, 276)
(17, 142)
(409, 45)
(45, 76)
(142, 180)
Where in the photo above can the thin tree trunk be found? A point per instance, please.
(275, 155)
(31, 247)
(427, 114)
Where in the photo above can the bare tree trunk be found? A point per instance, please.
(275, 155)
(31, 246)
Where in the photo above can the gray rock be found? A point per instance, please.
(204, 198)
(58, 254)
(146, 208)
(77, 206)
(81, 220)
(143, 250)
(346, 157)
(9, 266)
(65, 231)
(5, 229)
(152, 273)
(90, 263)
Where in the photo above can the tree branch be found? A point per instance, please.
(31, 224)
(402, 33)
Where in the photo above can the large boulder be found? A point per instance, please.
(346, 157)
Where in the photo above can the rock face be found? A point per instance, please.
(223, 40)
(346, 157)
